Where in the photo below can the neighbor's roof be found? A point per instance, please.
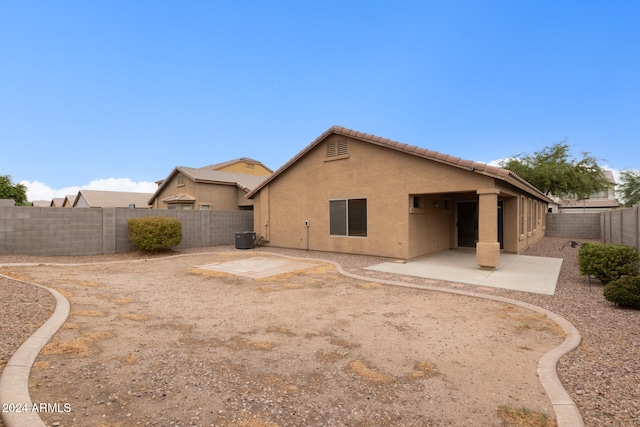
(609, 176)
(208, 176)
(589, 203)
(218, 166)
(112, 199)
(57, 202)
(480, 168)
(244, 181)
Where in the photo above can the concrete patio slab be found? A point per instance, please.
(258, 267)
(516, 272)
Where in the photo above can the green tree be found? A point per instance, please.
(554, 171)
(629, 187)
(9, 190)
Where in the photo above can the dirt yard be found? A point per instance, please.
(164, 342)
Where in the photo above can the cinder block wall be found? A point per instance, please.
(622, 226)
(63, 231)
(573, 225)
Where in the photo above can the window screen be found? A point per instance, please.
(348, 217)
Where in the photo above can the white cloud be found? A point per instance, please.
(40, 191)
(498, 161)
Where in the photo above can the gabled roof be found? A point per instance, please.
(208, 176)
(244, 181)
(56, 202)
(218, 166)
(609, 176)
(480, 168)
(68, 200)
(112, 199)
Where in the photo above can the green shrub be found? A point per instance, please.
(154, 233)
(625, 292)
(608, 262)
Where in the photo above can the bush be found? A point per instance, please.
(608, 262)
(625, 292)
(154, 233)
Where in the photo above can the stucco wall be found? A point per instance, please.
(61, 231)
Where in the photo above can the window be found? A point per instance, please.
(180, 180)
(348, 217)
(180, 207)
(337, 148)
(446, 204)
(205, 207)
(522, 215)
(417, 204)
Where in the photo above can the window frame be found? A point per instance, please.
(349, 229)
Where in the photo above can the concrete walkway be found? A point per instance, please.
(516, 272)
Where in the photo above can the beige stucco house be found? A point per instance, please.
(205, 189)
(602, 201)
(357, 193)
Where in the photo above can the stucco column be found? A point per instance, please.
(488, 247)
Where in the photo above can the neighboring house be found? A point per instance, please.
(111, 199)
(205, 188)
(357, 193)
(68, 201)
(242, 165)
(41, 203)
(57, 202)
(602, 201)
(7, 202)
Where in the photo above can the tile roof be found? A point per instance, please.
(244, 181)
(57, 202)
(113, 199)
(217, 166)
(480, 168)
(203, 175)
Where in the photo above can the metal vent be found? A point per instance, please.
(337, 148)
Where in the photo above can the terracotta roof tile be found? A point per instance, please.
(217, 166)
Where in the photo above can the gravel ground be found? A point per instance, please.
(602, 375)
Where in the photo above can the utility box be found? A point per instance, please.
(245, 239)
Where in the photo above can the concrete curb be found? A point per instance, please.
(14, 381)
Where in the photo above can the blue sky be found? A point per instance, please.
(117, 93)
